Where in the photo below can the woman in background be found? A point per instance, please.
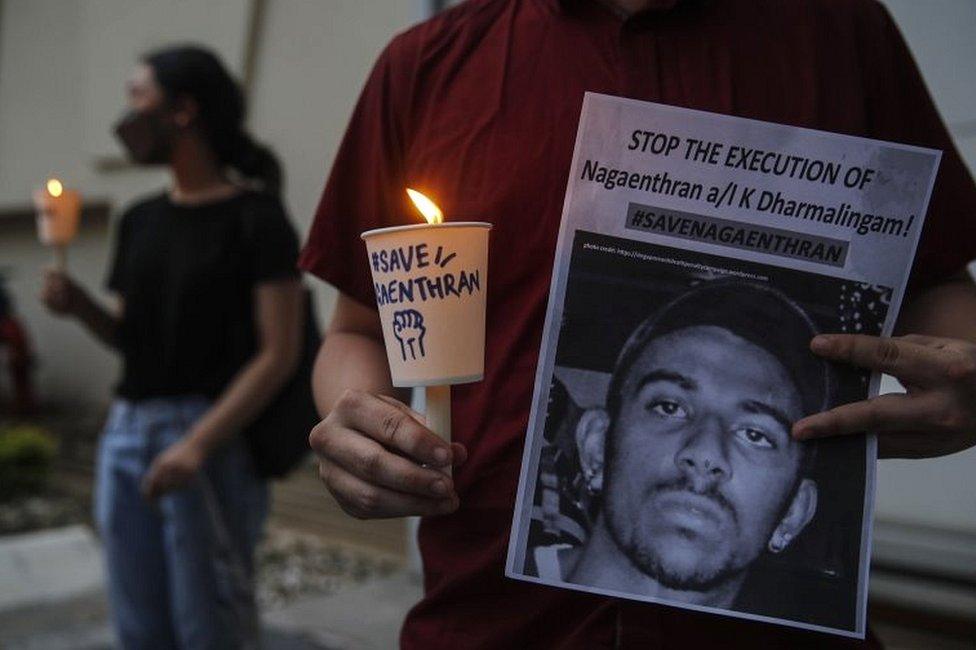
(208, 325)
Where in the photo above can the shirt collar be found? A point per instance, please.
(652, 6)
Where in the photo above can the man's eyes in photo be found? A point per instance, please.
(666, 407)
(755, 437)
(762, 425)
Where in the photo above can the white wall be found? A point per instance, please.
(42, 131)
(312, 59)
(942, 35)
(311, 66)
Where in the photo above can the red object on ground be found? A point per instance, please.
(14, 337)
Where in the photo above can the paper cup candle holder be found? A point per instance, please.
(58, 211)
(431, 281)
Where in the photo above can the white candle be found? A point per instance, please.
(58, 210)
(431, 283)
(438, 404)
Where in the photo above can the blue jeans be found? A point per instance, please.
(180, 570)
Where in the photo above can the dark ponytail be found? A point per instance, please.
(253, 160)
(193, 71)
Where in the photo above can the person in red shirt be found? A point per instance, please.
(13, 336)
(478, 108)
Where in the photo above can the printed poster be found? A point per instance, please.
(698, 255)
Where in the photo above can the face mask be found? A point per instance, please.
(146, 136)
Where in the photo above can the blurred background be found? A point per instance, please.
(63, 65)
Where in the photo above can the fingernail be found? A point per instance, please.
(438, 487)
(820, 343)
(441, 455)
(804, 432)
(459, 457)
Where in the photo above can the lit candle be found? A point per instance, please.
(430, 281)
(58, 210)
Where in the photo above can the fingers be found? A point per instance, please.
(160, 479)
(892, 412)
(55, 290)
(164, 475)
(460, 453)
(52, 280)
(391, 426)
(419, 417)
(146, 487)
(371, 454)
(909, 360)
(922, 339)
(367, 501)
(151, 486)
(55, 277)
(368, 460)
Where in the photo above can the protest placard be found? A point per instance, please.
(698, 254)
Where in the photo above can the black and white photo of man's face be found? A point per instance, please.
(700, 473)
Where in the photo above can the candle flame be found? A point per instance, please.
(54, 187)
(428, 208)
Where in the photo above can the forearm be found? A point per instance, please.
(351, 361)
(102, 323)
(947, 310)
(251, 390)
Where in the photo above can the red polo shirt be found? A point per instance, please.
(479, 108)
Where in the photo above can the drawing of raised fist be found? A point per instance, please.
(408, 328)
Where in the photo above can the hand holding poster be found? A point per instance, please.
(698, 255)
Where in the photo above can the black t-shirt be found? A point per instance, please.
(187, 275)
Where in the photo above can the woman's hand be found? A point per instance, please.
(174, 469)
(65, 297)
(378, 460)
(61, 294)
(937, 415)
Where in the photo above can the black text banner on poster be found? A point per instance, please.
(737, 234)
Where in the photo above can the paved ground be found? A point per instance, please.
(52, 599)
(315, 623)
(338, 622)
(49, 565)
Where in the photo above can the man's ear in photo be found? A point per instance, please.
(591, 436)
(798, 515)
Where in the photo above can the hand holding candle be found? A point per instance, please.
(58, 211)
(431, 282)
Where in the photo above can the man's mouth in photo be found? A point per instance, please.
(699, 513)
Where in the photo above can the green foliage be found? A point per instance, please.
(26, 457)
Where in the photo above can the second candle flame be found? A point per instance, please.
(54, 187)
(428, 208)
